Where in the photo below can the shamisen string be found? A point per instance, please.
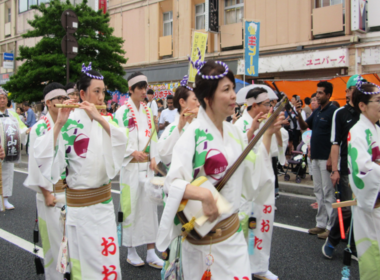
(134, 114)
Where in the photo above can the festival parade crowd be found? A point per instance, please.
(212, 165)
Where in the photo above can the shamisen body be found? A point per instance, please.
(91, 148)
(50, 198)
(208, 147)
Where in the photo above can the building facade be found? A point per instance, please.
(299, 39)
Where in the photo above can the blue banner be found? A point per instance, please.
(251, 48)
(8, 56)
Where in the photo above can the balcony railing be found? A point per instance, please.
(7, 29)
(328, 20)
(165, 46)
(231, 35)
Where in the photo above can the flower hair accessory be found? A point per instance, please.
(88, 68)
(198, 64)
(359, 84)
(183, 83)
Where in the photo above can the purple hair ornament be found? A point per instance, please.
(198, 64)
(88, 68)
(184, 81)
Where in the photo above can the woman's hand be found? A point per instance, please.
(184, 118)
(209, 205)
(276, 125)
(91, 110)
(64, 113)
(139, 156)
(153, 164)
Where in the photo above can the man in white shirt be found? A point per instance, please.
(167, 115)
(294, 124)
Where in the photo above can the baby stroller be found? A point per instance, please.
(297, 163)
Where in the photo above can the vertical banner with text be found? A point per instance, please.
(199, 41)
(251, 48)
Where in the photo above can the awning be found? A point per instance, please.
(306, 88)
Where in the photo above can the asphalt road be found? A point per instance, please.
(294, 255)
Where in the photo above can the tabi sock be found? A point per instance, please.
(133, 256)
(7, 204)
(151, 257)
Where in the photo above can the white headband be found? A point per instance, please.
(55, 93)
(137, 79)
(262, 97)
(70, 90)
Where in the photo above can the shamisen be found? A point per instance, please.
(204, 152)
(91, 148)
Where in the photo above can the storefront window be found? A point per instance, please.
(233, 11)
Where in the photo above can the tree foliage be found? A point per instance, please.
(45, 62)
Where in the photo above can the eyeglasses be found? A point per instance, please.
(266, 104)
(60, 98)
(74, 93)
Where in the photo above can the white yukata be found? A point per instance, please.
(201, 151)
(50, 227)
(263, 206)
(139, 211)
(364, 174)
(91, 158)
(8, 167)
(168, 139)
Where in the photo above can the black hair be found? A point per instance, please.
(21, 109)
(171, 97)
(358, 96)
(26, 104)
(85, 81)
(9, 103)
(150, 91)
(307, 100)
(146, 100)
(52, 86)
(180, 93)
(139, 85)
(69, 85)
(314, 95)
(207, 88)
(328, 87)
(255, 92)
(301, 102)
(295, 96)
(160, 101)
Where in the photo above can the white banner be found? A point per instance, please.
(304, 61)
(8, 64)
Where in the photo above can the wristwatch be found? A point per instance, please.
(332, 172)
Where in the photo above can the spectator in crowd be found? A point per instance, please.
(343, 120)
(320, 122)
(20, 112)
(314, 102)
(167, 115)
(38, 111)
(44, 108)
(295, 129)
(160, 104)
(145, 101)
(336, 103)
(307, 108)
(30, 116)
(9, 106)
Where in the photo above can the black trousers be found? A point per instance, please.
(296, 138)
(345, 194)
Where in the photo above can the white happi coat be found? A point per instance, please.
(91, 158)
(201, 151)
(139, 211)
(8, 167)
(168, 139)
(51, 230)
(263, 207)
(364, 174)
